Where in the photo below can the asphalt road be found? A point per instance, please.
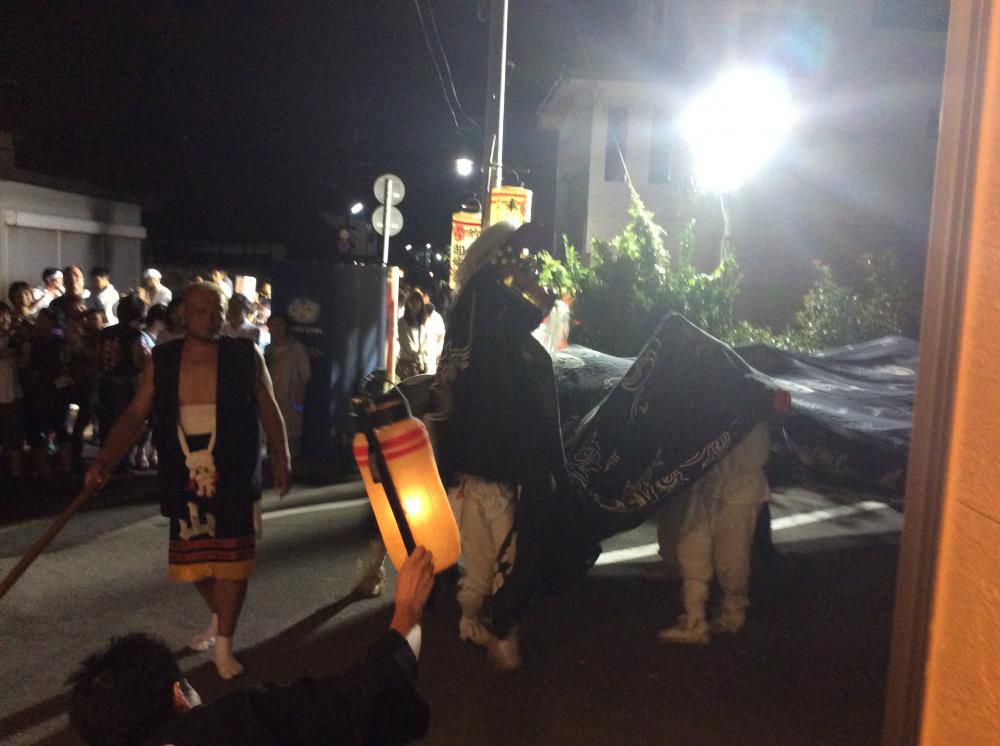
(808, 668)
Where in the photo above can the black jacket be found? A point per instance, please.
(375, 702)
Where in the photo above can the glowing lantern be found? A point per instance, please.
(510, 203)
(465, 228)
(405, 490)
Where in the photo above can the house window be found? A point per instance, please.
(615, 147)
(661, 149)
(918, 15)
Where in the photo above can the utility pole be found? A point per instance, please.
(496, 85)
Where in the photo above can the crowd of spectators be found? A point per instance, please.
(71, 352)
(71, 355)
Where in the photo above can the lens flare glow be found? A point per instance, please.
(463, 166)
(736, 126)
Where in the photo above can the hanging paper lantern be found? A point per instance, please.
(465, 228)
(421, 515)
(510, 203)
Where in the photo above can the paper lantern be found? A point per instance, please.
(465, 228)
(510, 203)
(405, 490)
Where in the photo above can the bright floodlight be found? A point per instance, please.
(356, 208)
(463, 166)
(735, 126)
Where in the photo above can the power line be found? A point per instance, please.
(447, 67)
(437, 68)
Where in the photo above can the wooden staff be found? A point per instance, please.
(43, 541)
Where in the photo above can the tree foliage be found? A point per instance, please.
(643, 273)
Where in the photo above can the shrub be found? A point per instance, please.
(877, 304)
(634, 279)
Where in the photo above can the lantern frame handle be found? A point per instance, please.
(362, 402)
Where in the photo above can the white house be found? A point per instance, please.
(45, 223)
(855, 175)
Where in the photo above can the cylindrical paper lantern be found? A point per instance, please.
(412, 469)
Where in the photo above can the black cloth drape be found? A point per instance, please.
(676, 410)
(637, 434)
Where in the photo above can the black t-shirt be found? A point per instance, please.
(116, 350)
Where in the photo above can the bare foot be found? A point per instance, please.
(227, 666)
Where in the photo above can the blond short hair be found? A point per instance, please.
(205, 287)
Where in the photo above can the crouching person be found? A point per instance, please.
(716, 539)
(134, 692)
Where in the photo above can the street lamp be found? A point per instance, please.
(464, 166)
(357, 208)
(733, 128)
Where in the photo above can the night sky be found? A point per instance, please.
(245, 121)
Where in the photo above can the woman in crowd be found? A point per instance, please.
(238, 322)
(413, 336)
(157, 322)
(175, 322)
(435, 335)
(21, 300)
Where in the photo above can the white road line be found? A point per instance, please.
(802, 519)
(340, 505)
(778, 524)
(627, 555)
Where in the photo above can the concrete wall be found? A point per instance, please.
(608, 201)
(962, 697)
(573, 179)
(25, 251)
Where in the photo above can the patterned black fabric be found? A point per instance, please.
(852, 408)
(637, 433)
(493, 406)
(652, 431)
